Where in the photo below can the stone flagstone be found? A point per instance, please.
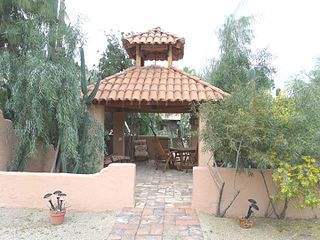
(162, 211)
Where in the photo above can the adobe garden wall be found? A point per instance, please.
(113, 187)
(8, 143)
(41, 160)
(205, 193)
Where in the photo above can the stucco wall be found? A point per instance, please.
(113, 187)
(8, 143)
(205, 193)
(41, 161)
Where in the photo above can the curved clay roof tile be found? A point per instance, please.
(158, 84)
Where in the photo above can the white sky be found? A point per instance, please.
(290, 29)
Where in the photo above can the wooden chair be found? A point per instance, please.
(177, 143)
(193, 159)
(162, 156)
(140, 150)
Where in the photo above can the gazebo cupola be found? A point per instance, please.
(154, 45)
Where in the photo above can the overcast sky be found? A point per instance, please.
(290, 29)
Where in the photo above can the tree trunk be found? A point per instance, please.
(218, 212)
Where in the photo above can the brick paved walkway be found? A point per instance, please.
(162, 208)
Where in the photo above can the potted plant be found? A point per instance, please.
(247, 221)
(56, 206)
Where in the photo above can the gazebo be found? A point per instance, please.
(152, 89)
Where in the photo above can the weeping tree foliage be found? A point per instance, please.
(41, 79)
(229, 71)
(16, 25)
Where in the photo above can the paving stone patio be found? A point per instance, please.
(162, 211)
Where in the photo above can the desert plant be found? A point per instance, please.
(89, 146)
(253, 206)
(56, 205)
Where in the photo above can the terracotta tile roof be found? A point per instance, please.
(155, 84)
(154, 44)
(154, 36)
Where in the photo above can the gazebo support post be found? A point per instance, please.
(138, 56)
(170, 58)
(98, 112)
(202, 156)
(118, 133)
(194, 130)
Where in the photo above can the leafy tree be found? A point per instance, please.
(229, 72)
(114, 59)
(238, 130)
(41, 79)
(298, 166)
(190, 71)
(250, 128)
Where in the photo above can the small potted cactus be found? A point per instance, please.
(56, 204)
(247, 221)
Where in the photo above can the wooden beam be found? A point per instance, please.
(138, 56)
(148, 110)
(177, 108)
(170, 56)
(154, 48)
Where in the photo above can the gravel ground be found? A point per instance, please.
(263, 228)
(29, 224)
(16, 224)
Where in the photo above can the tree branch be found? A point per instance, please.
(229, 205)
(267, 189)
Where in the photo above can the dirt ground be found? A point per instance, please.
(263, 228)
(18, 224)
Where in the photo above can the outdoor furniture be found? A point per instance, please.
(177, 143)
(140, 150)
(113, 158)
(162, 157)
(188, 157)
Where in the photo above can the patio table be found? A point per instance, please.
(185, 155)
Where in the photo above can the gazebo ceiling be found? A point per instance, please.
(154, 89)
(154, 45)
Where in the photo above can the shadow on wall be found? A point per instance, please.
(40, 162)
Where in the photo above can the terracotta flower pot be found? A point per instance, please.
(57, 218)
(246, 222)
